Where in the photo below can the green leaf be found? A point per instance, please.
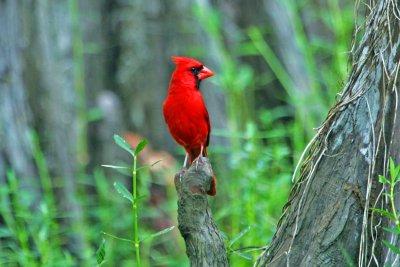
(240, 235)
(118, 238)
(384, 213)
(164, 231)
(123, 191)
(115, 167)
(397, 178)
(395, 230)
(123, 144)
(383, 180)
(127, 171)
(101, 252)
(392, 247)
(394, 170)
(142, 144)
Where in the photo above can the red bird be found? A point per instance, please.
(185, 111)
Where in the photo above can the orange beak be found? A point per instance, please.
(205, 73)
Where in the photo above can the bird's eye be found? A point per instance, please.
(195, 71)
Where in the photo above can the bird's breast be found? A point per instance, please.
(185, 115)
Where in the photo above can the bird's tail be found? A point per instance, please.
(213, 187)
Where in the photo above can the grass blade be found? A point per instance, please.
(392, 247)
(240, 235)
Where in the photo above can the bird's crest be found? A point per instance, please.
(185, 61)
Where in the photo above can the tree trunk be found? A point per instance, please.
(328, 219)
(103, 130)
(204, 243)
(50, 78)
(15, 115)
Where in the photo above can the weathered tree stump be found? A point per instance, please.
(204, 244)
(329, 219)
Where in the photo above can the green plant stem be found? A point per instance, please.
(135, 212)
(79, 84)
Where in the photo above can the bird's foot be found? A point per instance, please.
(197, 159)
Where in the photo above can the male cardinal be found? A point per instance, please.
(185, 111)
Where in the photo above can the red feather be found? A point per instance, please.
(185, 111)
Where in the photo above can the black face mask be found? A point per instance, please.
(195, 72)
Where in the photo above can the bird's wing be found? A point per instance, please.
(208, 127)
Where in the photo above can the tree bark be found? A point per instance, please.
(50, 79)
(328, 219)
(103, 130)
(15, 114)
(204, 243)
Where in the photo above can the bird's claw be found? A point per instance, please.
(197, 159)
